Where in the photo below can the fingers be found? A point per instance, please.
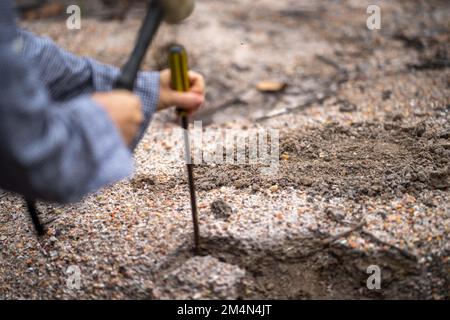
(197, 82)
(124, 109)
(138, 114)
(198, 88)
(188, 101)
(134, 103)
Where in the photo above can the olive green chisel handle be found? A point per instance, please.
(178, 63)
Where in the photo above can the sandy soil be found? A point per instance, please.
(364, 176)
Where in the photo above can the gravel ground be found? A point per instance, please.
(364, 175)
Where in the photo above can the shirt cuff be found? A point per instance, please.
(147, 88)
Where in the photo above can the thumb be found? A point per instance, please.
(187, 100)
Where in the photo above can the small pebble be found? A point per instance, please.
(220, 209)
(274, 188)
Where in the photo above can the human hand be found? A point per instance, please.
(124, 109)
(190, 101)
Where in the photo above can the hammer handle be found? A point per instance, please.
(32, 210)
(150, 26)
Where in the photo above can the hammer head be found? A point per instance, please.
(176, 11)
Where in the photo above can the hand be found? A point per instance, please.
(125, 110)
(190, 101)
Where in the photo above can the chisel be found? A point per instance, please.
(178, 63)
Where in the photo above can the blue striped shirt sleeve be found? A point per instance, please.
(56, 144)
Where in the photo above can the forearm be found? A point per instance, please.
(67, 75)
(64, 154)
(62, 73)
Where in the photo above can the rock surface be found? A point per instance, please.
(201, 278)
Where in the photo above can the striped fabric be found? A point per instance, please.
(56, 144)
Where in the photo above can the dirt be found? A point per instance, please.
(220, 209)
(191, 274)
(364, 175)
(298, 268)
(364, 159)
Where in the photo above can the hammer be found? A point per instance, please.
(170, 11)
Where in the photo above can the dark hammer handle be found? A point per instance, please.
(147, 32)
(31, 206)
